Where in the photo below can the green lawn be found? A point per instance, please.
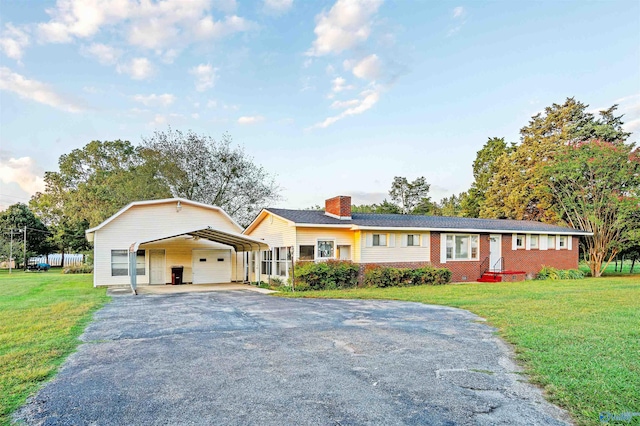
(41, 317)
(580, 340)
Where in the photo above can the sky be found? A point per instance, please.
(331, 97)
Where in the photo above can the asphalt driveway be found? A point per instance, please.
(245, 358)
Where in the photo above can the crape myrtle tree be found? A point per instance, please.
(210, 171)
(596, 187)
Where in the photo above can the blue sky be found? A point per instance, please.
(333, 97)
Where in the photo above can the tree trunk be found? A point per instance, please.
(633, 262)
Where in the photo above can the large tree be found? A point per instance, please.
(91, 185)
(518, 189)
(596, 186)
(484, 169)
(211, 171)
(411, 197)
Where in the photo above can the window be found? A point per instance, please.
(551, 242)
(119, 263)
(325, 249)
(379, 240)
(283, 258)
(533, 241)
(520, 241)
(140, 262)
(267, 257)
(462, 247)
(307, 252)
(562, 242)
(413, 240)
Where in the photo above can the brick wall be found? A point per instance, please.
(339, 206)
(529, 261)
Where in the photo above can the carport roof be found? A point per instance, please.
(237, 241)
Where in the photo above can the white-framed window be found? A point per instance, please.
(462, 247)
(326, 249)
(533, 241)
(379, 240)
(265, 264)
(520, 241)
(551, 242)
(283, 259)
(307, 252)
(413, 240)
(562, 242)
(119, 263)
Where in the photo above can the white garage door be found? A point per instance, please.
(211, 266)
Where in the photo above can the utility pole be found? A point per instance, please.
(24, 248)
(10, 251)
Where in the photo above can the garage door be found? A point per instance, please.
(211, 266)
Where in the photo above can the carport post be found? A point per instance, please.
(132, 268)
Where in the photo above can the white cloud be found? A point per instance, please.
(458, 14)
(212, 103)
(205, 76)
(195, 115)
(277, 7)
(162, 119)
(37, 91)
(147, 24)
(345, 25)
(250, 119)
(339, 84)
(345, 104)
(137, 68)
(24, 172)
(164, 100)
(106, 55)
(368, 99)
(13, 41)
(368, 68)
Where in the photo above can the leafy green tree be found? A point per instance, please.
(202, 169)
(518, 189)
(385, 207)
(596, 187)
(484, 169)
(411, 197)
(14, 220)
(451, 206)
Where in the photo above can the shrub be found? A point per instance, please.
(276, 282)
(384, 276)
(329, 275)
(78, 269)
(551, 273)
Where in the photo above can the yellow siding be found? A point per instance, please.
(274, 231)
(357, 246)
(147, 222)
(310, 236)
(393, 254)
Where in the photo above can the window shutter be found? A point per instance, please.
(527, 242)
(570, 242)
(403, 240)
(391, 240)
(557, 242)
(543, 242)
(425, 240)
(368, 239)
(514, 241)
(443, 248)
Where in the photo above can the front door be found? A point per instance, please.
(344, 252)
(495, 253)
(156, 267)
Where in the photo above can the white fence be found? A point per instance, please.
(55, 259)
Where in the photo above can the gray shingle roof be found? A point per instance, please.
(316, 217)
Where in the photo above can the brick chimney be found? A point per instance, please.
(338, 207)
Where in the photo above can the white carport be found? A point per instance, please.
(240, 243)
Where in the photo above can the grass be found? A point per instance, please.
(623, 268)
(41, 317)
(578, 339)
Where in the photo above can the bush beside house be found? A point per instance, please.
(384, 276)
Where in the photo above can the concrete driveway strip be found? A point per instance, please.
(245, 358)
